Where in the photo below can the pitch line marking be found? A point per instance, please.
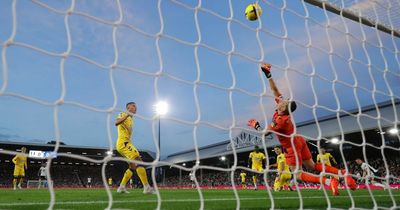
(178, 200)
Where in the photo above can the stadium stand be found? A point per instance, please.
(65, 171)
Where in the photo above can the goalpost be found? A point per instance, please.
(344, 55)
(376, 18)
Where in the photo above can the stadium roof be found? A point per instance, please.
(27, 144)
(328, 126)
(8, 145)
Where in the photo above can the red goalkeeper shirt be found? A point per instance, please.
(283, 125)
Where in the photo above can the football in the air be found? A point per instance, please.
(253, 12)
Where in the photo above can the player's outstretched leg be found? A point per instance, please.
(312, 178)
(330, 169)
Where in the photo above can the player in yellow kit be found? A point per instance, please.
(325, 157)
(19, 169)
(283, 178)
(110, 182)
(256, 158)
(243, 177)
(125, 147)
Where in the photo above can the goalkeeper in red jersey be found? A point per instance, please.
(298, 155)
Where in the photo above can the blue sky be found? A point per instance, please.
(37, 75)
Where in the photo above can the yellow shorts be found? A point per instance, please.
(128, 151)
(19, 171)
(284, 179)
(257, 168)
(243, 181)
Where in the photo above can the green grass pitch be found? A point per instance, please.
(189, 199)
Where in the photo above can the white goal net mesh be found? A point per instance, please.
(383, 12)
(69, 67)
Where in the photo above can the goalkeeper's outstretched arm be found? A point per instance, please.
(266, 68)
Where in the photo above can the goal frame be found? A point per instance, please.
(353, 16)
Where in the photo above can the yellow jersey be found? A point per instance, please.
(257, 158)
(109, 181)
(20, 161)
(281, 159)
(124, 130)
(243, 175)
(324, 158)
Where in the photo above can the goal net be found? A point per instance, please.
(68, 68)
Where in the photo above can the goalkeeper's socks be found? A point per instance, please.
(307, 177)
(328, 169)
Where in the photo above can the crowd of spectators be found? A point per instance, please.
(77, 176)
(64, 175)
(393, 166)
(218, 178)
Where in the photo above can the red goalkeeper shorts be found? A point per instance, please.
(303, 153)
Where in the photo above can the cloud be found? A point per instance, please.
(4, 128)
(363, 5)
(319, 40)
(17, 138)
(96, 37)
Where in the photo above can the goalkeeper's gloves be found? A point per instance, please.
(254, 124)
(266, 68)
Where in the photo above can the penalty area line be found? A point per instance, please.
(181, 200)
